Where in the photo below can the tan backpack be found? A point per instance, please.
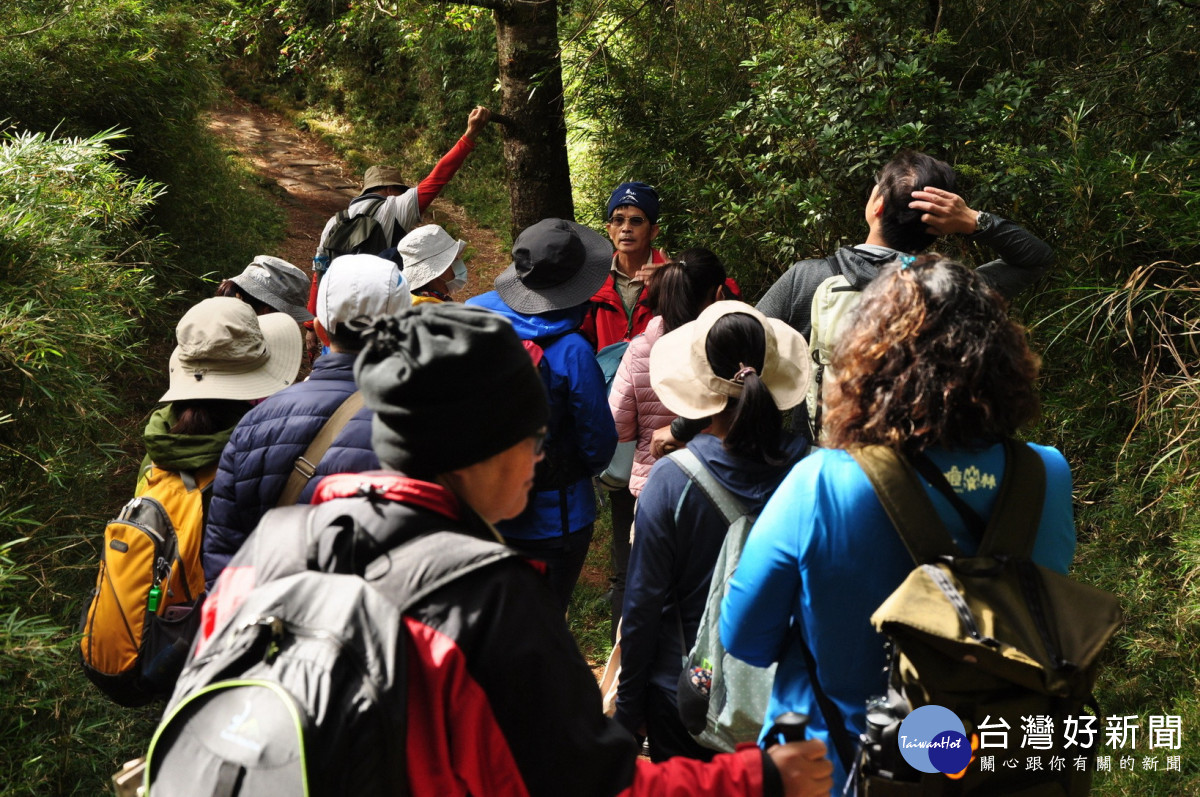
(989, 636)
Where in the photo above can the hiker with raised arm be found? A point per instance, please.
(388, 209)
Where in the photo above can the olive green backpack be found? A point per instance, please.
(992, 634)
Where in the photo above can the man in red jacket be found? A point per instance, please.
(617, 310)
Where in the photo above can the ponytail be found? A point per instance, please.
(736, 350)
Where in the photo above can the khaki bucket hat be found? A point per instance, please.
(379, 176)
(225, 351)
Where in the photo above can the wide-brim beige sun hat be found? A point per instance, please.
(427, 252)
(225, 351)
(685, 383)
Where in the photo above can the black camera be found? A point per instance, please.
(880, 756)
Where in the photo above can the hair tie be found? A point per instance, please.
(906, 261)
(746, 370)
(681, 263)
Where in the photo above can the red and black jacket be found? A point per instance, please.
(606, 321)
(500, 701)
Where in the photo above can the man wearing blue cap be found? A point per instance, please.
(616, 311)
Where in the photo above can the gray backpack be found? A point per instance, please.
(302, 689)
(722, 700)
(832, 305)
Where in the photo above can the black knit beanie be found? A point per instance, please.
(450, 386)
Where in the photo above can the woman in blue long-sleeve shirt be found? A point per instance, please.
(933, 365)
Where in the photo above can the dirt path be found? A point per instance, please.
(315, 184)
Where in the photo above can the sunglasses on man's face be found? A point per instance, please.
(539, 442)
(634, 221)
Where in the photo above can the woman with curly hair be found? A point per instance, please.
(932, 367)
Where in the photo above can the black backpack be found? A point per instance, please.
(302, 689)
(361, 233)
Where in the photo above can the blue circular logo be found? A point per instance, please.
(933, 739)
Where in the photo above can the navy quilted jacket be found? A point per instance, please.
(259, 457)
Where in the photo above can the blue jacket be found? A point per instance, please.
(678, 536)
(578, 404)
(823, 555)
(258, 459)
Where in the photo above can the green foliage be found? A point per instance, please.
(73, 285)
(139, 66)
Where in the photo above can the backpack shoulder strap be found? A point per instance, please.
(306, 464)
(1013, 526)
(375, 200)
(907, 504)
(284, 543)
(725, 502)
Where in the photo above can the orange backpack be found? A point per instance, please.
(145, 608)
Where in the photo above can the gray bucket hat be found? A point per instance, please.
(277, 283)
(556, 264)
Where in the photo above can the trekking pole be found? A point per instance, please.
(790, 726)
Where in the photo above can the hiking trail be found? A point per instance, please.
(315, 183)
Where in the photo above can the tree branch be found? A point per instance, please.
(35, 30)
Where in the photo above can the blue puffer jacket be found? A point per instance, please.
(578, 402)
(258, 459)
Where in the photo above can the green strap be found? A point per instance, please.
(1012, 526)
(725, 502)
(1017, 514)
(907, 504)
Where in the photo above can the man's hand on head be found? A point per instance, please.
(943, 212)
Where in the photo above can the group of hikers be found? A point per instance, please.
(493, 424)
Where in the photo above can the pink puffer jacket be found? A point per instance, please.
(636, 410)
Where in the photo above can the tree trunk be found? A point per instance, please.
(531, 90)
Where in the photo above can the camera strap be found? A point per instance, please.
(843, 742)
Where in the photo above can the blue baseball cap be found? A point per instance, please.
(639, 195)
